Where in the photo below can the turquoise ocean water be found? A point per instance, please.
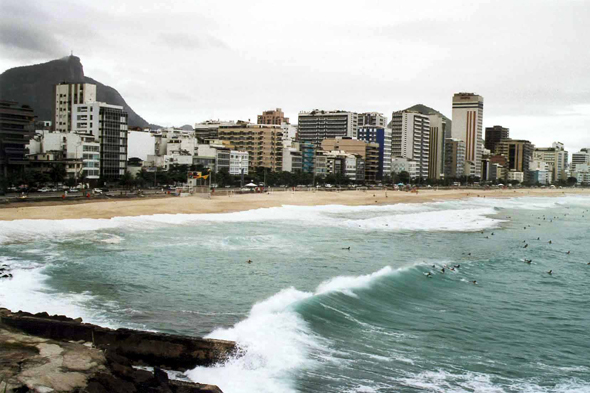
(311, 316)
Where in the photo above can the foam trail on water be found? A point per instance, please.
(28, 292)
(441, 220)
(276, 342)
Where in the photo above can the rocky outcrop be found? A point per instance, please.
(40, 353)
(33, 85)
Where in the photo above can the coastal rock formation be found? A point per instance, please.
(33, 85)
(39, 353)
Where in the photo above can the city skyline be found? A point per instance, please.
(232, 61)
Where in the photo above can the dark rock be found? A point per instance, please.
(160, 376)
(141, 348)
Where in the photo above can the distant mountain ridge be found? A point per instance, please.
(425, 110)
(33, 85)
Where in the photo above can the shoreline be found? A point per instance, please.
(107, 209)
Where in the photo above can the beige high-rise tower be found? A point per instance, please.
(467, 126)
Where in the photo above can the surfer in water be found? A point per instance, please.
(346, 248)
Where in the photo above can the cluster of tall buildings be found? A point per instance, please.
(93, 142)
(86, 137)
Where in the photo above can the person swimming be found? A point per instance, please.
(550, 272)
(474, 282)
(249, 261)
(525, 246)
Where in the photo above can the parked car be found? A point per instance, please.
(44, 189)
(73, 189)
(97, 191)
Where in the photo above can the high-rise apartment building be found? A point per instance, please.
(317, 125)
(410, 138)
(372, 119)
(208, 130)
(108, 124)
(580, 158)
(557, 158)
(262, 142)
(369, 152)
(467, 126)
(436, 146)
(16, 129)
(494, 135)
(519, 154)
(66, 96)
(382, 136)
(273, 116)
(454, 158)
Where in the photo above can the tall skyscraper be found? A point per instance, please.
(494, 135)
(67, 95)
(467, 126)
(410, 138)
(317, 125)
(437, 146)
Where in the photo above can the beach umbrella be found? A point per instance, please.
(251, 185)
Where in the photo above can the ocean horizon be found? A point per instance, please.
(448, 296)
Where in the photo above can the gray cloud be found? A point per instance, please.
(28, 41)
(188, 61)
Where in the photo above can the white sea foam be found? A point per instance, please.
(346, 284)
(28, 292)
(276, 342)
(442, 220)
(412, 217)
(443, 381)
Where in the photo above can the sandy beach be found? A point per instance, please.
(224, 203)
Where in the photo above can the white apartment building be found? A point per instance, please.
(108, 125)
(557, 158)
(80, 154)
(66, 96)
(540, 172)
(582, 173)
(317, 125)
(372, 119)
(238, 162)
(513, 175)
(292, 160)
(582, 157)
(399, 164)
(467, 126)
(289, 134)
(410, 139)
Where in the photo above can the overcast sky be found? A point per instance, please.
(189, 61)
